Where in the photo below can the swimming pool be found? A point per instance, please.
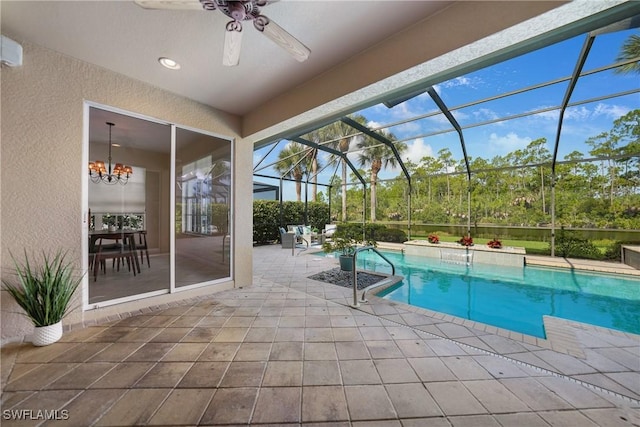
(509, 297)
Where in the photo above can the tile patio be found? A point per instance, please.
(291, 351)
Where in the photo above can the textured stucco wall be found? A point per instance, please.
(42, 168)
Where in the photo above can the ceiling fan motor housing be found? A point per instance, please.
(238, 10)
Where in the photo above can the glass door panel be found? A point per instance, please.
(202, 208)
(129, 218)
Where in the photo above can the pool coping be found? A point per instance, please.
(581, 264)
(560, 333)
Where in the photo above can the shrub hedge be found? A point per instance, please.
(266, 221)
(570, 245)
(377, 232)
(266, 218)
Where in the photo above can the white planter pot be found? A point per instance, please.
(45, 335)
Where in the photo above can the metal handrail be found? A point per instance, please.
(304, 241)
(356, 303)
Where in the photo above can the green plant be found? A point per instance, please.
(344, 245)
(44, 291)
(614, 251)
(266, 218)
(109, 219)
(570, 245)
(132, 221)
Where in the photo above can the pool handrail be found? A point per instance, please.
(356, 303)
(303, 241)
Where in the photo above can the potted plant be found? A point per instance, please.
(44, 293)
(466, 241)
(495, 244)
(346, 246)
(433, 238)
(110, 221)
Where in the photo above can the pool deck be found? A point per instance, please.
(290, 351)
(582, 264)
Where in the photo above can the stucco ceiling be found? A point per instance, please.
(123, 37)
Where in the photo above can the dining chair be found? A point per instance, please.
(117, 252)
(142, 247)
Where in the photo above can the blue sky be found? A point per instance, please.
(552, 62)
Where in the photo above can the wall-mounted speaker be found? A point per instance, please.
(10, 52)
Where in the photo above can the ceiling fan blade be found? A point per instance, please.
(232, 43)
(285, 40)
(170, 4)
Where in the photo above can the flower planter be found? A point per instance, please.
(45, 335)
(346, 262)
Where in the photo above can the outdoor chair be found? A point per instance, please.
(329, 230)
(287, 239)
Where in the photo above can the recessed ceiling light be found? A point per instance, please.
(169, 63)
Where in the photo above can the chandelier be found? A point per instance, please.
(98, 172)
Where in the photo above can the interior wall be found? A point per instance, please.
(157, 200)
(43, 164)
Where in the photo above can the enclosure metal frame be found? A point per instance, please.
(629, 22)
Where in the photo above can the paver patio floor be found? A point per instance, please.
(290, 351)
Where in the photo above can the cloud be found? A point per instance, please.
(583, 113)
(507, 143)
(611, 111)
(416, 150)
(472, 82)
(580, 114)
(485, 114)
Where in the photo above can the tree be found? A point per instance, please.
(293, 163)
(626, 130)
(537, 153)
(377, 156)
(446, 158)
(316, 136)
(604, 145)
(630, 49)
(341, 136)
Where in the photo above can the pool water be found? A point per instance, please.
(510, 297)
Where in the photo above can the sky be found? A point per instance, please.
(497, 139)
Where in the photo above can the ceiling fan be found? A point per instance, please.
(238, 11)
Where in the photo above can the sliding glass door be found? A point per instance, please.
(148, 235)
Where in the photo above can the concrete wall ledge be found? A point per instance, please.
(631, 256)
(507, 255)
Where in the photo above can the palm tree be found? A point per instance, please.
(342, 136)
(316, 136)
(629, 50)
(378, 156)
(293, 163)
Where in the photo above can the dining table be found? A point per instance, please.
(125, 235)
